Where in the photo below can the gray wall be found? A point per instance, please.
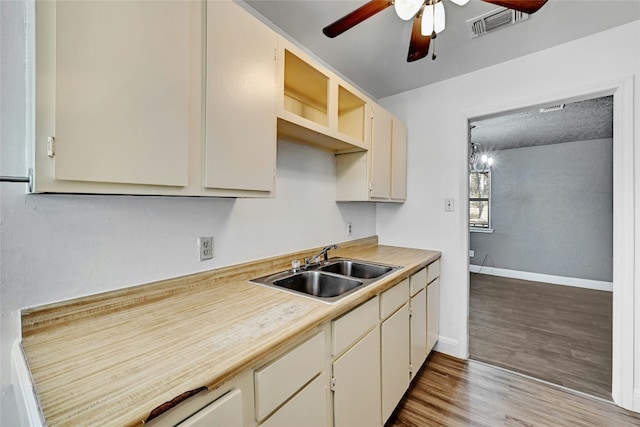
(552, 211)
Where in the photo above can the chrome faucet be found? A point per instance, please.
(324, 253)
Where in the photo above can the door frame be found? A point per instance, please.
(624, 256)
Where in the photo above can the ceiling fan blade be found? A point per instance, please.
(526, 6)
(354, 18)
(419, 44)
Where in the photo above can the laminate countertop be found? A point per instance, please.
(110, 359)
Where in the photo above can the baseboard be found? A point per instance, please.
(636, 400)
(447, 346)
(546, 278)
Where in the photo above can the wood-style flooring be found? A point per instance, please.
(560, 334)
(452, 392)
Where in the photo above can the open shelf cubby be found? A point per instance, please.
(305, 90)
(351, 114)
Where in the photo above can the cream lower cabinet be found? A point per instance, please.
(307, 408)
(278, 381)
(226, 411)
(229, 405)
(418, 304)
(356, 384)
(418, 328)
(356, 367)
(395, 359)
(395, 336)
(433, 304)
(433, 313)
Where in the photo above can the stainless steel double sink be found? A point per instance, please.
(329, 281)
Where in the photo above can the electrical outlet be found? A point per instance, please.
(472, 253)
(349, 229)
(205, 244)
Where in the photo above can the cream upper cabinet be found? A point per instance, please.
(153, 97)
(317, 107)
(240, 147)
(398, 160)
(113, 81)
(381, 133)
(380, 174)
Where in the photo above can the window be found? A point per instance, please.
(480, 200)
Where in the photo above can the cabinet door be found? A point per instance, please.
(122, 80)
(418, 331)
(433, 313)
(381, 153)
(399, 161)
(240, 151)
(356, 400)
(224, 412)
(395, 360)
(307, 408)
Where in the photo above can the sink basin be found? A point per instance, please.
(328, 282)
(356, 269)
(318, 284)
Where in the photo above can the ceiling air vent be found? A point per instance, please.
(494, 20)
(552, 108)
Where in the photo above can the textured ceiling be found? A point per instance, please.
(373, 54)
(578, 121)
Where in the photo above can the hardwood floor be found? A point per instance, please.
(452, 392)
(560, 334)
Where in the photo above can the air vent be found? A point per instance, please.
(494, 20)
(552, 108)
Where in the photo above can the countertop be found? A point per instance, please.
(112, 358)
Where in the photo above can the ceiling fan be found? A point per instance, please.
(428, 19)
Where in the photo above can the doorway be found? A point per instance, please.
(541, 218)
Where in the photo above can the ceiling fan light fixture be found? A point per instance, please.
(438, 27)
(407, 9)
(433, 19)
(460, 2)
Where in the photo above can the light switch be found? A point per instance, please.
(448, 204)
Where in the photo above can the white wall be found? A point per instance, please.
(56, 247)
(437, 150)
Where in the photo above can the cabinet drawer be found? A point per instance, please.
(418, 281)
(279, 380)
(348, 328)
(433, 271)
(393, 298)
(226, 411)
(308, 408)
